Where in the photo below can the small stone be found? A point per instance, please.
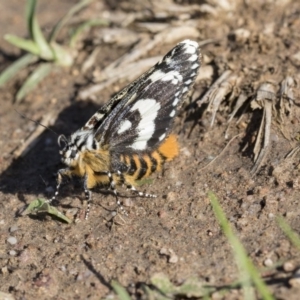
(268, 262)
(209, 233)
(296, 58)
(288, 266)
(241, 35)
(186, 152)
(75, 72)
(13, 228)
(171, 196)
(6, 296)
(216, 296)
(128, 202)
(12, 240)
(12, 253)
(163, 251)
(295, 281)
(162, 214)
(173, 257)
(63, 268)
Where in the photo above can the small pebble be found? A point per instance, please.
(63, 268)
(268, 262)
(171, 196)
(295, 281)
(12, 240)
(288, 266)
(162, 214)
(209, 233)
(173, 257)
(163, 251)
(12, 253)
(186, 152)
(75, 72)
(128, 202)
(13, 228)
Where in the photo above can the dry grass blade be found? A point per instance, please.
(167, 36)
(130, 72)
(212, 161)
(265, 99)
(223, 86)
(263, 139)
(239, 103)
(76, 8)
(214, 86)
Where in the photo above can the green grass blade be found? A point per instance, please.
(76, 8)
(35, 31)
(33, 80)
(289, 232)
(120, 291)
(62, 56)
(245, 265)
(29, 13)
(23, 44)
(192, 287)
(16, 66)
(86, 25)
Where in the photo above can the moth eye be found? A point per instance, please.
(73, 154)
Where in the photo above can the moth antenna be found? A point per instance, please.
(36, 122)
(60, 139)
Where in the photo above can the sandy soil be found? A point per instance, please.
(52, 260)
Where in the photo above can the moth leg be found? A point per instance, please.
(60, 174)
(141, 194)
(130, 187)
(88, 197)
(113, 188)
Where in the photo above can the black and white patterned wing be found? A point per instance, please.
(142, 119)
(96, 120)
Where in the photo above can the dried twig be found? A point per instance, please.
(229, 142)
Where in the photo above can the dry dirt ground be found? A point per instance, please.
(177, 233)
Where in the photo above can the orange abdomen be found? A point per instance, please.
(142, 166)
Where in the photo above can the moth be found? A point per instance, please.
(130, 137)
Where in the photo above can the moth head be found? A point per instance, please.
(69, 153)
